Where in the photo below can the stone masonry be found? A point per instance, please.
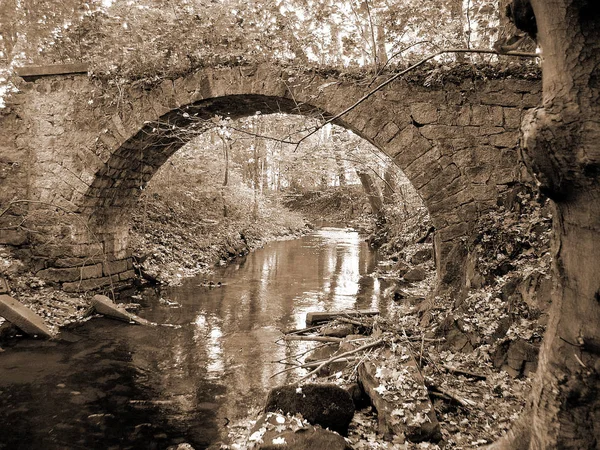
(74, 156)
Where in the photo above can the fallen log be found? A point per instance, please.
(23, 318)
(315, 317)
(355, 322)
(105, 306)
(397, 390)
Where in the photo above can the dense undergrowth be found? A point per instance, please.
(177, 234)
(341, 205)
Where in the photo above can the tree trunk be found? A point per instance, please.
(382, 57)
(226, 152)
(457, 18)
(373, 194)
(562, 149)
(341, 170)
(389, 187)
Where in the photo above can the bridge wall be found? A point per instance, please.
(81, 154)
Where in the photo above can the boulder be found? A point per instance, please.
(421, 256)
(359, 396)
(416, 274)
(4, 289)
(276, 432)
(401, 268)
(517, 357)
(340, 330)
(455, 334)
(326, 405)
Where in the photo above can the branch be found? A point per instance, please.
(312, 338)
(414, 66)
(16, 202)
(342, 355)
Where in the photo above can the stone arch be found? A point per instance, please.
(457, 143)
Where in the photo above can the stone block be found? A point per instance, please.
(531, 100)
(387, 133)
(501, 99)
(438, 132)
(487, 115)
(424, 113)
(524, 86)
(128, 275)
(407, 146)
(512, 118)
(71, 274)
(22, 317)
(463, 117)
(114, 267)
(105, 306)
(490, 130)
(88, 285)
(76, 262)
(13, 237)
(443, 179)
(508, 139)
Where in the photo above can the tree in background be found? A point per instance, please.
(142, 39)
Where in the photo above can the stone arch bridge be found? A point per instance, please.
(66, 142)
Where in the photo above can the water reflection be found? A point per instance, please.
(159, 386)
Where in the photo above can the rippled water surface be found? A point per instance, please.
(124, 386)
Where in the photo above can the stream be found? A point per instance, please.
(120, 386)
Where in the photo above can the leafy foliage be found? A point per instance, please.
(135, 39)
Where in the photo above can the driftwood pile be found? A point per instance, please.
(380, 364)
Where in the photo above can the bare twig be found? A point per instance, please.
(39, 202)
(454, 370)
(312, 338)
(342, 355)
(414, 66)
(302, 330)
(434, 390)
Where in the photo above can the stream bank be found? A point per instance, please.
(173, 238)
(494, 329)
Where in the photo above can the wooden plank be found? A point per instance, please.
(54, 69)
(105, 306)
(23, 317)
(316, 317)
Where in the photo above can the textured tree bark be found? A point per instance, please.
(562, 149)
(389, 187)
